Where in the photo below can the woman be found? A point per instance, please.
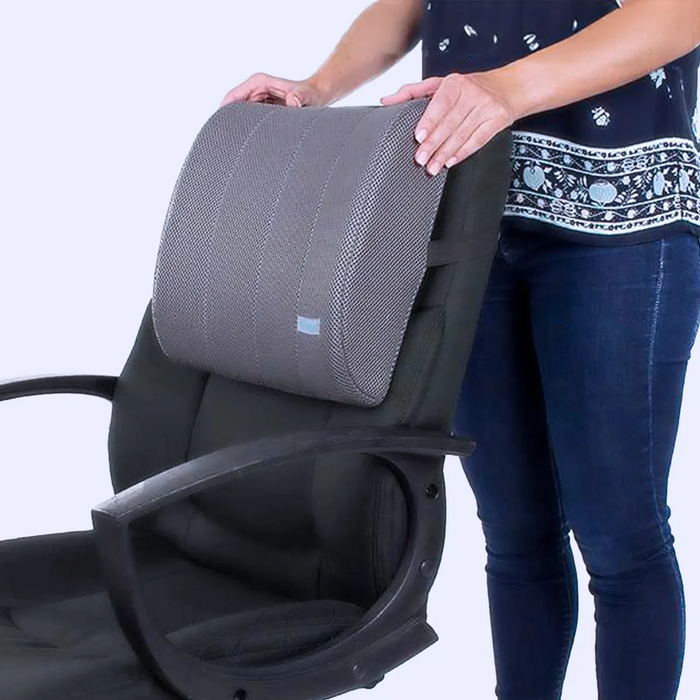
(574, 385)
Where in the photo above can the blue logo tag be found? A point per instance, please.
(310, 326)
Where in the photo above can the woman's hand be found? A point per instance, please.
(466, 111)
(261, 87)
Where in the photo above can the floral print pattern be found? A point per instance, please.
(585, 174)
(606, 191)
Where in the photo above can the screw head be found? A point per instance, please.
(427, 568)
(432, 491)
(359, 671)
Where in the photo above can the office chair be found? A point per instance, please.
(278, 432)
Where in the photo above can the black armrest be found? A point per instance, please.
(94, 385)
(383, 638)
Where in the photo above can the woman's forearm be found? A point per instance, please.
(626, 44)
(382, 34)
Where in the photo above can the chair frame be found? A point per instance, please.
(392, 631)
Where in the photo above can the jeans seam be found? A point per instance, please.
(681, 601)
(652, 345)
(650, 370)
(563, 660)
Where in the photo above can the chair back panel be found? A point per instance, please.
(333, 527)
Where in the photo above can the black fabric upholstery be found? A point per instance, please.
(279, 561)
(59, 637)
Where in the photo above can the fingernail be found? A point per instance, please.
(422, 157)
(420, 136)
(434, 168)
(450, 162)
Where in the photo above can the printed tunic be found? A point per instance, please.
(614, 169)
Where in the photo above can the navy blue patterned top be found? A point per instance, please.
(617, 168)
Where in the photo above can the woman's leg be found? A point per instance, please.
(530, 569)
(613, 330)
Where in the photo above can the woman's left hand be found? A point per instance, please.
(466, 111)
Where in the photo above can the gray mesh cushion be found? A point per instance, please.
(294, 246)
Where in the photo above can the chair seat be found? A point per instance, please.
(59, 637)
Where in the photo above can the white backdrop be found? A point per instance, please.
(100, 104)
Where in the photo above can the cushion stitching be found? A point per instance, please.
(30, 638)
(312, 232)
(344, 281)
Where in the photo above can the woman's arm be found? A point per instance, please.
(622, 46)
(381, 35)
(468, 109)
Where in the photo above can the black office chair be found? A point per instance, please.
(279, 430)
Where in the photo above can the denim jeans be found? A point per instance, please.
(572, 394)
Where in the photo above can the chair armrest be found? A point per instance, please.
(218, 467)
(93, 385)
(383, 638)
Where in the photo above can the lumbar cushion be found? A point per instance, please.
(294, 246)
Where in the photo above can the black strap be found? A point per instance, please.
(444, 252)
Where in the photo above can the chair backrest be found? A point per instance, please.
(292, 293)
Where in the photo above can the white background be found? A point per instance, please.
(100, 104)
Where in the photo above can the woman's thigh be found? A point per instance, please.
(573, 392)
(501, 407)
(612, 329)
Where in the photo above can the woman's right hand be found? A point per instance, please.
(261, 87)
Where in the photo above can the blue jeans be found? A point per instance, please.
(572, 394)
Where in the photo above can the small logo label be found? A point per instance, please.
(310, 326)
